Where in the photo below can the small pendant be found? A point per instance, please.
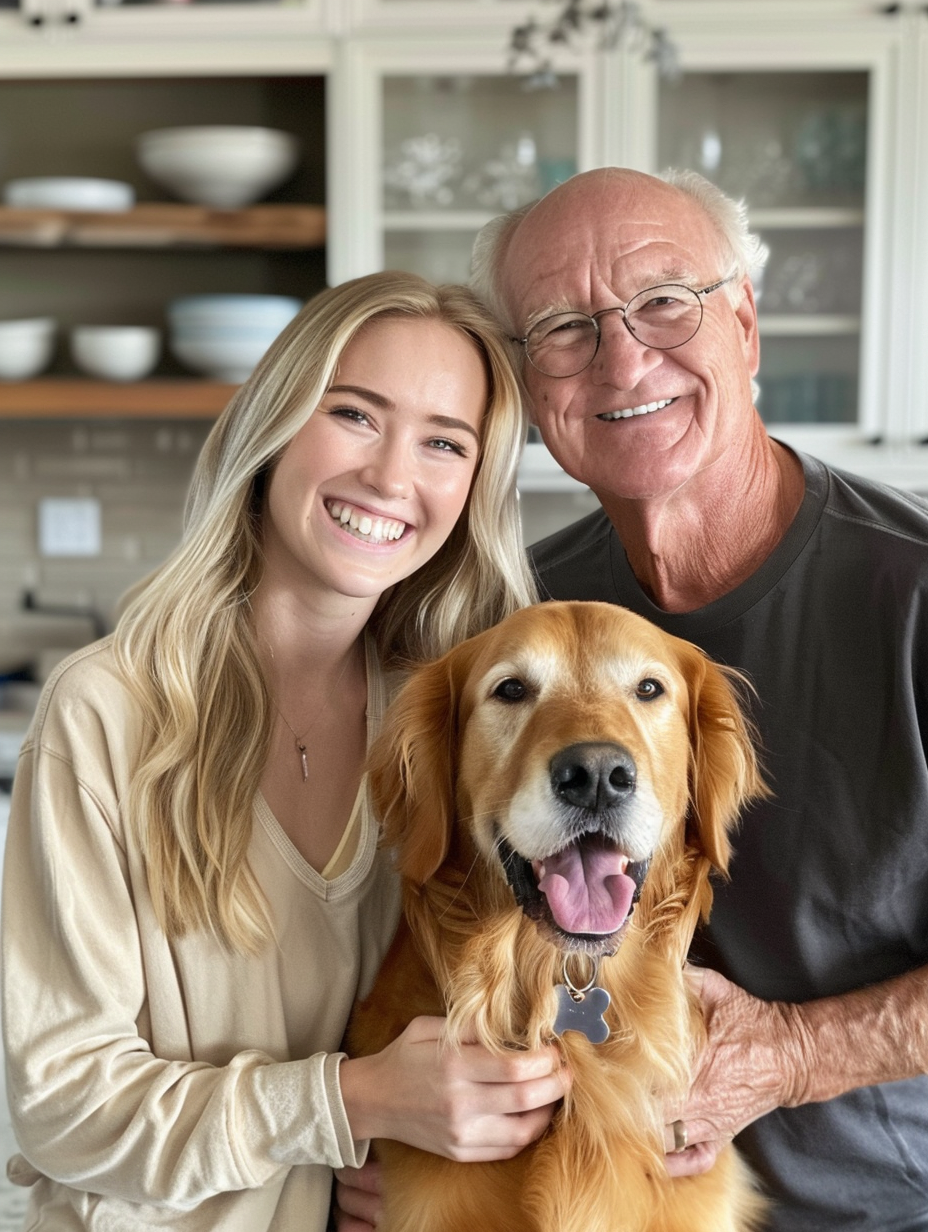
(302, 749)
(582, 1012)
(582, 1009)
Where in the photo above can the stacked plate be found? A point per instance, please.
(69, 192)
(224, 336)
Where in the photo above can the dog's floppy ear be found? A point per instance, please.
(413, 766)
(724, 770)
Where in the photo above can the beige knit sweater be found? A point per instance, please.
(170, 1085)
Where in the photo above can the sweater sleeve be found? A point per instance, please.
(92, 1106)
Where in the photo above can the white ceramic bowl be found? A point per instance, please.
(223, 358)
(227, 166)
(116, 352)
(266, 312)
(69, 192)
(26, 347)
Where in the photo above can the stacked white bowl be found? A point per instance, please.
(26, 347)
(224, 336)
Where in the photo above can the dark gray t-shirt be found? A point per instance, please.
(829, 887)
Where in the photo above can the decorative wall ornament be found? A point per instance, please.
(580, 25)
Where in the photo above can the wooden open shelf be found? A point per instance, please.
(166, 225)
(87, 399)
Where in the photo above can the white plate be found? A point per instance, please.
(69, 192)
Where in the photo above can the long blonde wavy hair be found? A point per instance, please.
(185, 641)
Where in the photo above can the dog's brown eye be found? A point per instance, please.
(510, 690)
(648, 689)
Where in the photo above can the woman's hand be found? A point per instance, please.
(358, 1202)
(465, 1103)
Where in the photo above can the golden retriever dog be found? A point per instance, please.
(558, 790)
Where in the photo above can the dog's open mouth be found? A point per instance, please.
(584, 894)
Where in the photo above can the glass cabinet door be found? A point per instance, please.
(459, 149)
(793, 145)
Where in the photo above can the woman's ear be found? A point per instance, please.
(413, 766)
(724, 770)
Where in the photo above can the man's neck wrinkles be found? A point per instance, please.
(692, 547)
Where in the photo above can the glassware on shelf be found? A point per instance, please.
(812, 271)
(423, 173)
(830, 151)
(440, 256)
(474, 142)
(554, 171)
(508, 180)
(809, 397)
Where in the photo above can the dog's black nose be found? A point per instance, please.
(593, 776)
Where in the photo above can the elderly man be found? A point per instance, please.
(631, 300)
(636, 317)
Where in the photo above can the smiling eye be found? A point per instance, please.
(351, 413)
(649, 689)
(511, 690)
(443, 444)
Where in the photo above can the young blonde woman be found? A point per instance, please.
(193, 896)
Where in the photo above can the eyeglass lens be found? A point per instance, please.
(661, 317)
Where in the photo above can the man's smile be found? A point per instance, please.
(646, 408)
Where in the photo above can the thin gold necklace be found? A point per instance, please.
(300, 741)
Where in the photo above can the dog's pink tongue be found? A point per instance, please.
(587, 889)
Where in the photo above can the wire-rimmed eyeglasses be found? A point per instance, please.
(661, 317)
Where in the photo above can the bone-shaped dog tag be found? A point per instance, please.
(582, 1011)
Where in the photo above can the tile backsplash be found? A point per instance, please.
(139, 471)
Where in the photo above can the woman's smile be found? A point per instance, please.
(362, 524)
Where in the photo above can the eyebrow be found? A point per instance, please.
(387, 404)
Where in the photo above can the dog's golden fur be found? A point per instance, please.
(459, 767)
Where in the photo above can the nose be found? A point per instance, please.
(621, 360)
(387, 470)
(593, 776)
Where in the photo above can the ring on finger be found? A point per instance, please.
(680, 1137)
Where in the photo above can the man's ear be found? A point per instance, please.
(746, 312)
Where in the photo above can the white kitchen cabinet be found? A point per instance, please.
(844, 368)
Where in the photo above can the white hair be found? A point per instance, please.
(743, 250)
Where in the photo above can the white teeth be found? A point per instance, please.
(379, 530)
(645, 409)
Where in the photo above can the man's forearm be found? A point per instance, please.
(872, 1035)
